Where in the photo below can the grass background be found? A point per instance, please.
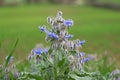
(99, 27)
(111, 1)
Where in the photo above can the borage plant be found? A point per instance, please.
(63, 60)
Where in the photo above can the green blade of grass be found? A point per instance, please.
(0, 44)
(11, 53)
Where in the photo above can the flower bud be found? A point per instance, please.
(66, 51)
(71, 58)
(49, 19)
(13, 66)
(59, 13)
(6, 77)
(6, 70)
(72, 66)
(16, 75)
(29, 57)
(37, 59)
(32, 52)
(79, 66)
(1, 66)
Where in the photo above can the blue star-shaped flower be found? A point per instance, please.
(68, 22)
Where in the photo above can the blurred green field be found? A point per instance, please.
(112, 1)
(99, 27)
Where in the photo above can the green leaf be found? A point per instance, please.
(50, 51)
(32, 76)
(46, 58)
(73, 52)
(64, 69)
(23, 65)
(84, 73)
(61, 63)
(75, 77)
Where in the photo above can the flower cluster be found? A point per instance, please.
(60, 38)
(9, 70)
(36, 55)
(59, 34)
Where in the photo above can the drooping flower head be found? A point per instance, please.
(38, 51)
(46, 51)
(42, 28)
(55, 36)
(68, 23)
(69, 36)
(86, 59)
(81, 42)
(81, 54)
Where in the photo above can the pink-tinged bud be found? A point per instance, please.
(49, 19)
(72, 66)
(6, 77)
(6, 70)
(16, 75)
(79, 66)
(1, 66)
